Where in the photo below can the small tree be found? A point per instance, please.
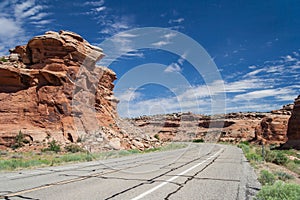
(53, 146)
(19, 140)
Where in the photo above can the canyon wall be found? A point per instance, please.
(269, 128)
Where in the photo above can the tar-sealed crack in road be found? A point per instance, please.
(201, 171)
(190, 178)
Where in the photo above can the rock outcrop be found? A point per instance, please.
(233, 127)
(272, 129)
(51, 89)
(293, 132)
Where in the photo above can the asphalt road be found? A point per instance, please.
(201, 171)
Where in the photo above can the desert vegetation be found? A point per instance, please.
(55, 154)
(278, 171)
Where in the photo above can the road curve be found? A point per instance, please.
(200, 171)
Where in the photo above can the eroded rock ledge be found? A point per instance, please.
(51, 89)
(267, 128)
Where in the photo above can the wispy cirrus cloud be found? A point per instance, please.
(109, 22)
(259, 94)
(174, 67)
(263, 88)
(94, 7)
(13, 18)
(165, 40)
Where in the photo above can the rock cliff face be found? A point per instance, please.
(51, 89)
(293, 132)
(234, 127)
(272, 129)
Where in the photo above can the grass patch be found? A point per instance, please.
(277, 157)
(52, 157)
(274, 185)
(169, 147)
(279, 191)
(283, 176)
(255, 156)
(266, 178)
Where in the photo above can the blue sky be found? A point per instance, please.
(254, 44)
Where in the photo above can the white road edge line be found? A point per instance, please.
(173, 178)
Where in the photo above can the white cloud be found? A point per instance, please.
(112, 24)
(296, 54)
(182, 58)
(94, 3)
(128, 95)
(13, 18)
(10, 28)
(174, 67)
(169, 35)
(259, 94)
(289, 58)
(42, 22)
(179, 20)
(121, 44)
(264, 88)
(166, 39)
(39, 16)
(163, 105)
(99, 9)
(255, 72)
(160, 43)
(244, 85)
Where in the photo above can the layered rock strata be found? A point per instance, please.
(51, 89)
(233, 127)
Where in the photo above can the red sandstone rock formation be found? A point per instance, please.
(51, 89)
(233, 127)
(272, 129)
(293, 132)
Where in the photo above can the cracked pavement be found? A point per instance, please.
(200, 171)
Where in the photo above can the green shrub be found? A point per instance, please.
(281, 158)
(3, 59)
(293, 167)
(270, 156)
(266, 178)
(79, 139)
(296, 161)
(245, 143)
(276, 157)
(53, 146)
(244, 147)
(156, 136)
(74, 148)
(19, 140)
(283, 176)
(253, 157)
(279, 191)
(198, 140)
